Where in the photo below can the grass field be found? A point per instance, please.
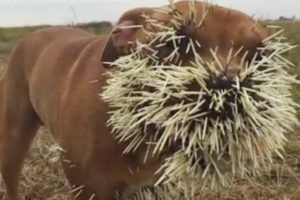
(43, 179)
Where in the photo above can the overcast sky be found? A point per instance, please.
(34, 12)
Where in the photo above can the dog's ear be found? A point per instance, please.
(117, 42)
(122, 34)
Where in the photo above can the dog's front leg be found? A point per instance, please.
(18, 123)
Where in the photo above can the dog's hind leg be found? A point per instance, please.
(18, 125)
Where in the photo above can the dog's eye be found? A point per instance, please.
(164, 51)
(257, 53)
(260, 54)
(260, 51)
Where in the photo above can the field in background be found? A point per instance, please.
(43, 179)
(10, 36)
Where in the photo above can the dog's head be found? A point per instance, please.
(224, 31)
(189, 81)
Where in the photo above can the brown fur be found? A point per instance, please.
(50, 80)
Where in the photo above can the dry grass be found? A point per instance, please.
(43, 179)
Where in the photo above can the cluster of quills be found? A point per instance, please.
(215, 126)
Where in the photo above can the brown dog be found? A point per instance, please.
(50, 80)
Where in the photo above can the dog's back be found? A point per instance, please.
(41, 65)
